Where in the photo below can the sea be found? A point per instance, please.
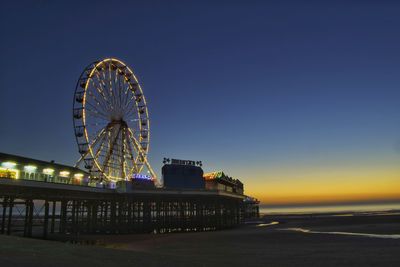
(330, 208)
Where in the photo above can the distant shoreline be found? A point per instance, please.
(266, 209)
(340, 213)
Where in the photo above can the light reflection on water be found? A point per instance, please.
(302, 230)
(267, 224)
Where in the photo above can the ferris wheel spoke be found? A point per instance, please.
(107, 88)
(95, 119)
(100, 91)
(110, 151)
(97, 124)
(128, 144)
(127, 96)
(97, 114)
(100, 148)
(101, 104)
(113, 92)
(96, 106)
(110, 84)
(97, 137)
(131, 111)
(102, 80)
(117, 94)
(130, 99)
(99, 134)
(93, 143)
(137, 147)
(122, 158)
(115, 80)
(120, 88)
(94, 131)
(95, 109)
(127, 89)
(132, 148)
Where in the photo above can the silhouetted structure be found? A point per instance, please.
(39, 207)
(181, 174)
(251, 207)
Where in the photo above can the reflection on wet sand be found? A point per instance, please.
(267, 224)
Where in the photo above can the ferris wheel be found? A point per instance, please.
(111, 121)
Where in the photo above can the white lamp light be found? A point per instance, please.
(30, 168)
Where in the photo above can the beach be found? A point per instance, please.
(274, 240)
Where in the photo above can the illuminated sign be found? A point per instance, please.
(183, 162)
(142, 177)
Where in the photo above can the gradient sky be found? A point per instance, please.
(299, 101)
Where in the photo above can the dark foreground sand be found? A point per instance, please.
(250, 245)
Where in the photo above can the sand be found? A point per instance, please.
(250, 245)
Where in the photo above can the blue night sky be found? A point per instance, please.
(271, 92)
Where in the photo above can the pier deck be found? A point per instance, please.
(40, 209)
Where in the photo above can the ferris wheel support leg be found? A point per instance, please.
(81, 159)
(95, 141)
(108, 156)
(142, 154)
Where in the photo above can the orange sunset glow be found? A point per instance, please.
(335, 186)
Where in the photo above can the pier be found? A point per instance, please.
(41, 209)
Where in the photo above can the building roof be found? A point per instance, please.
(221, 177)
(28, 161)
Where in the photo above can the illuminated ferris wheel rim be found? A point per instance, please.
(115, 114)
(137, 83)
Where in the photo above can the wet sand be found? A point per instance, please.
(258, 243)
